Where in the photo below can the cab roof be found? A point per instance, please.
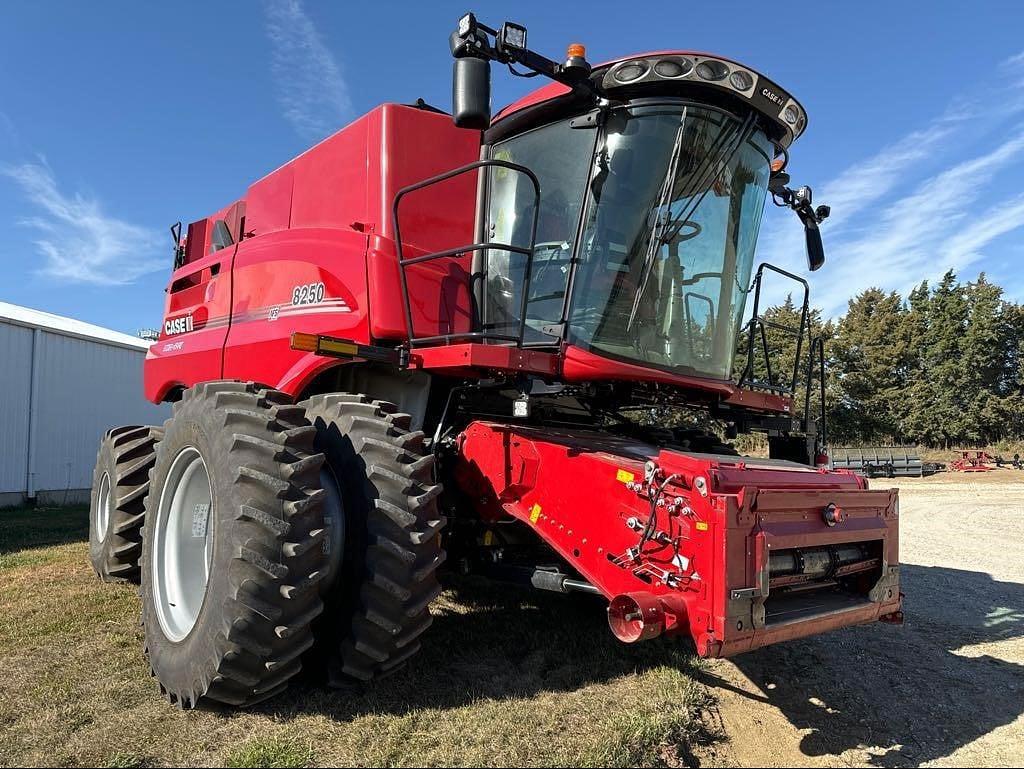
(763, 94)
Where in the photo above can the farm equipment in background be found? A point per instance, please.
(881, 462)
(431, 341)
(1015, 463)
(972, 462)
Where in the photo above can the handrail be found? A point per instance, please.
(472, 247)
(817, 343)
(758, 321)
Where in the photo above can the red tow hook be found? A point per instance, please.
(833, 514)
(636, 617)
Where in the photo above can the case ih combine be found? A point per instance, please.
(430, 341)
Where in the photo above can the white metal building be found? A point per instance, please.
(63, 383)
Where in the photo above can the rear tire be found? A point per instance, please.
(120, 484)
(236, 634)
(381, 590)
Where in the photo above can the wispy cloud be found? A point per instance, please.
(1017, 60)
(308, 81)
(939, 225)
(81, 244)
(859, 187)
(965, 246)
(8, 131)
(899, 219)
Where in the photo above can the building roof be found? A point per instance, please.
(58, 324)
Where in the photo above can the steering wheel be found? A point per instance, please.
(554, 245)
(695, 229)
(543, 267)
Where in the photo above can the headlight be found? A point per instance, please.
(512, 35)
(684, 73)
(741, 81)
(712, 70)
(630, 72)
(673, 67)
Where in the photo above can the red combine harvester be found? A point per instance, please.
(438, 336)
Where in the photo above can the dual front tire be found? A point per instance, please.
(232, 553)
(117, 506)
(259, 513)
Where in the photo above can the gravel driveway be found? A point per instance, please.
(946, 689)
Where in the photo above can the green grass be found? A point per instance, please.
(24, 528)
(126, 761)
(28, 534)
(504, 679)
(273, 751)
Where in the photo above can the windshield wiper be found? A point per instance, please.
(725, 146)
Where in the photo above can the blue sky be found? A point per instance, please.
(119, 118)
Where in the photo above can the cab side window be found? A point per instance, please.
(221, 236)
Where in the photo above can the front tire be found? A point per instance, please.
(233, 546)
(387, 576)
(120, 484)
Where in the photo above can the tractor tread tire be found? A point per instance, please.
(126, 455)
(379, 603)
(262, 596)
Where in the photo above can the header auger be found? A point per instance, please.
(429, 342)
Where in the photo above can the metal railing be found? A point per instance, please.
(527, 252)
(816, 355)
(758, 325)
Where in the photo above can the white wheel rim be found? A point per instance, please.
(103, 508)
(182, 545)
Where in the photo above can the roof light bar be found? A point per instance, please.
(763, 94)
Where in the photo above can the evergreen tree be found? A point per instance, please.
(871, 364)
(943, 368)
(776, 367)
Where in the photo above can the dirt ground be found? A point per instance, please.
(945, 689)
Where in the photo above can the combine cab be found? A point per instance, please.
(437, 341)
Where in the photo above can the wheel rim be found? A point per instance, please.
(103, 508)
(183, 545)
(334, 523)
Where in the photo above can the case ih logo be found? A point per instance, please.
(769, 94)
(178, 325)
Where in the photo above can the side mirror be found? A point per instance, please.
(471, 93)
(801, 202)
(815, 249)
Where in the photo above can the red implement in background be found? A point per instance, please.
(972, 462)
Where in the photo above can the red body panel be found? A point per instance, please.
(572, 488)
(323, 218)
(580, 365)
(467, 359)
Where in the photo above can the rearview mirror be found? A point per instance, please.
(815, 249)
(471, 93)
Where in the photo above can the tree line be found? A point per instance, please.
(941, 367)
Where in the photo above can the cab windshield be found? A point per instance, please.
(660, 212)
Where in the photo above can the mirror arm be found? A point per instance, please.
(800, 202)
(477, 43)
